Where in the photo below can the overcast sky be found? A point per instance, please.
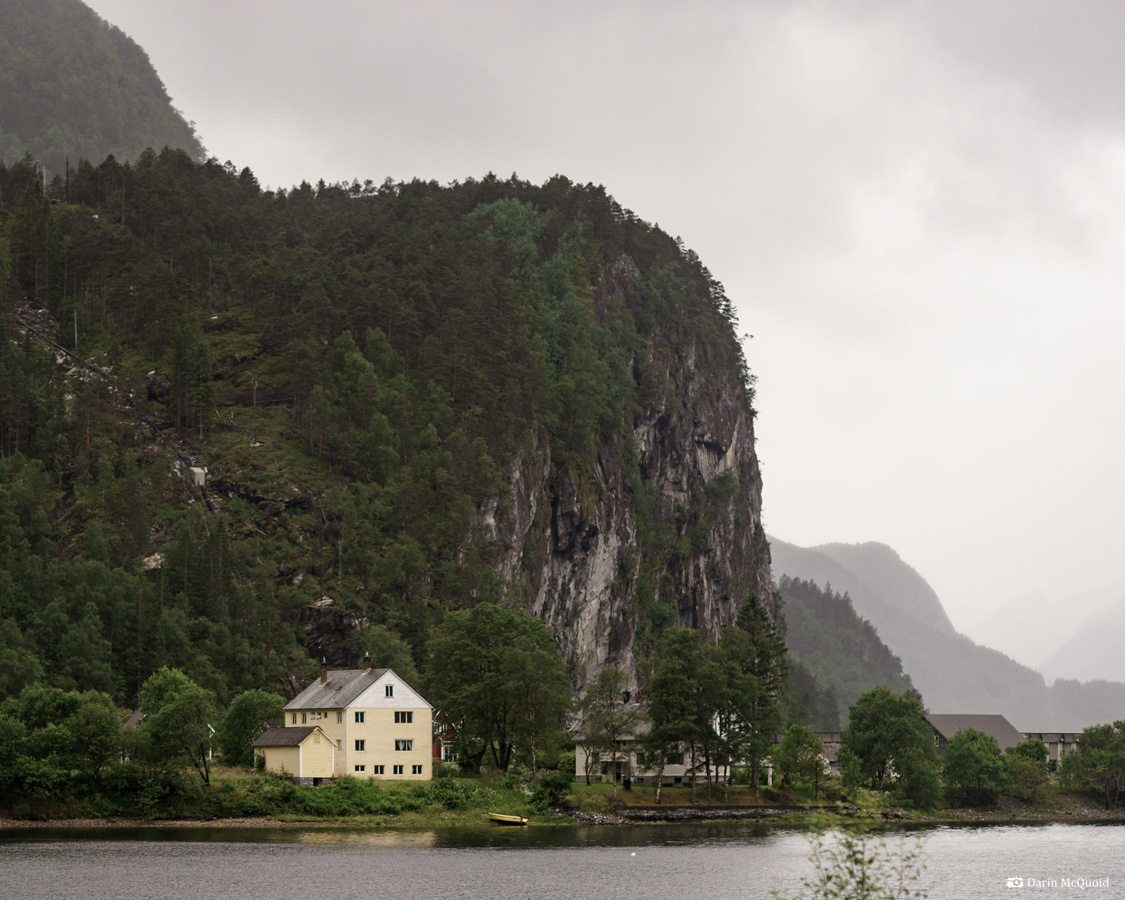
(917, 206)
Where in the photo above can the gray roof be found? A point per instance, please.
(341, 688)
(1000, 728)
(285, 737)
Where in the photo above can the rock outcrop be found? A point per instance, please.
(580, 538)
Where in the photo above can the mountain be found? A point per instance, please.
(74, 85)
(953, 673)
(1094, 651)
(1063, 636)
(243, 429)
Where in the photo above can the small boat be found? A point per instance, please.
(501, 819)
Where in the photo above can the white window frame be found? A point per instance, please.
(404, 717)
(398, 770)
(360, 745)
(405, 745)
(360, 717)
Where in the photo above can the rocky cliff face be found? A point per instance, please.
(583, 539)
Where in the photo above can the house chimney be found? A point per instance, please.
(366, 662)
(324, 670)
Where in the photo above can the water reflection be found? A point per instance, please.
(369, 838)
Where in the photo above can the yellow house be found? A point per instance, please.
(376, 724)
(303, 753)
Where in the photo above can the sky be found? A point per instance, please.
(916, 207)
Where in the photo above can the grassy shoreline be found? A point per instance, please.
(242, 800)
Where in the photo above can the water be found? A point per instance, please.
(649, 862)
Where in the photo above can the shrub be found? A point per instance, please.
(556, 784)
(450, 794)
(854, 864)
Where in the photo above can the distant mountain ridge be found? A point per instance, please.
(953, 673)
(1094, 650)
(75, 86)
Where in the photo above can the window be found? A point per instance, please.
(404, 745)
(398, 770)
(360, 745)
(416, 770)
(339, 717)
(390, 690)
(339, 745)
(359, 718)
(404, 718)
(361, 768)
(294, 718)
(304, 718)
(377, 770)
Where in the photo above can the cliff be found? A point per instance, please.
(572, 536)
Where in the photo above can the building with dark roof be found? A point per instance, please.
(947, 725)
(307, 753)
(375, 724)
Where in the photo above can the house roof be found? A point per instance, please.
(341, 688)
(285, 737)
(1000, 728)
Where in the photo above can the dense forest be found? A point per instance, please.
(76, 86)
(354, 364)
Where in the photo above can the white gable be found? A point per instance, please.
(403, 696)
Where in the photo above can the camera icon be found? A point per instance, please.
(1015, 882)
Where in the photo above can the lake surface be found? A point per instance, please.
(650, 862)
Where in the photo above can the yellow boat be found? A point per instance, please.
(501, 819)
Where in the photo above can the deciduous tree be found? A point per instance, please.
(607, 719)
(478, 659)
(975, 774)
(888, 743)
(247, 717)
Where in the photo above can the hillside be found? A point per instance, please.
(841, 650)
(74, 85)
(953, 673)
(407, 398)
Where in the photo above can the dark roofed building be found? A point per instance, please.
(305, 753)
(373, 725)
(283, 737)
(336, 688)
(947, 725)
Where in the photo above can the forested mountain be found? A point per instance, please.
(74, 85)
(407, 398)
(953, 674)
(841, 650)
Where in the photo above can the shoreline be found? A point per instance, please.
(1074, 810)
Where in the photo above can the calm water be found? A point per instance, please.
(650, 862)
